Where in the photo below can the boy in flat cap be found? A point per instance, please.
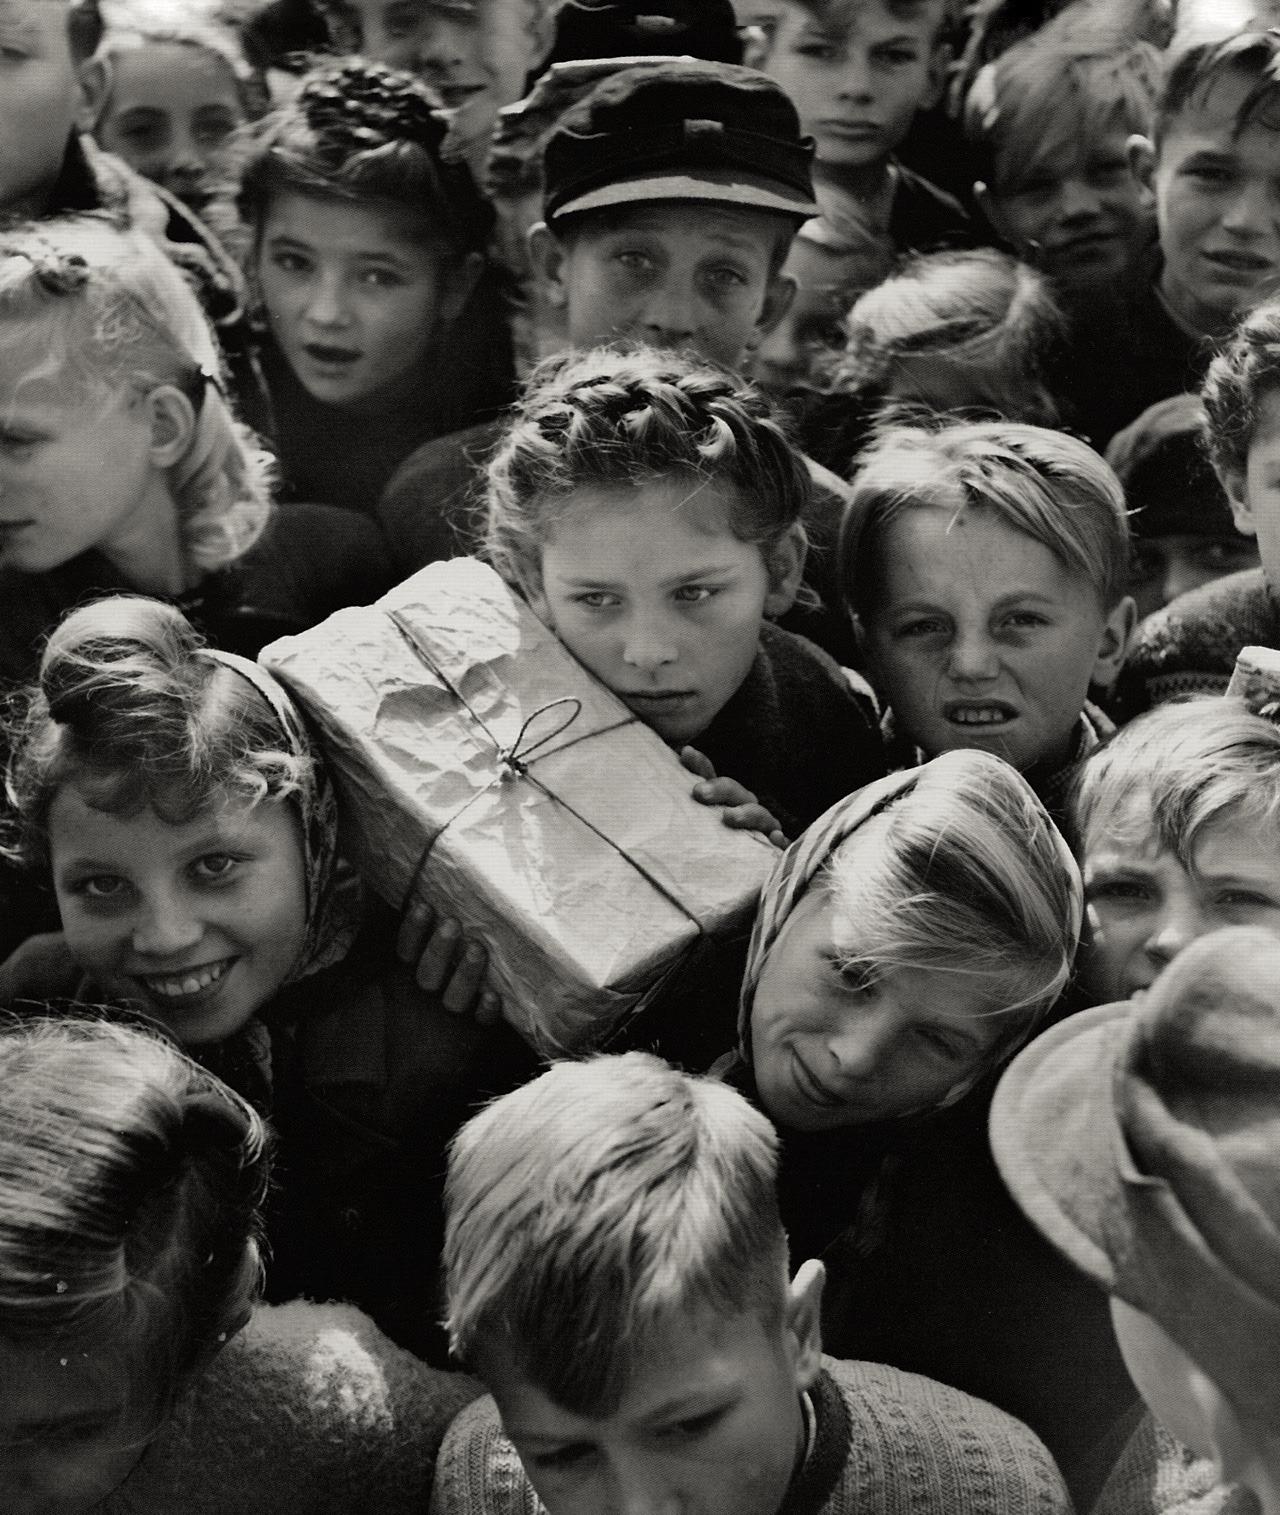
(1143, 1139)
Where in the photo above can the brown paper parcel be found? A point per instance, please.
(480, 766)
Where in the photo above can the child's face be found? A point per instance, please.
(199, 922)
(1255, 495)
(668, 274)
(1218, 207)
(68, 1433)
(710, 1423)
(75, 473)
(1165, 567)
(474, 53)
(1143, 907)
(857, 74)
(39, 98)
(170, 111)
(1077, 213)
(830, 1052)
(980, 637)
(354, 299)
(650, 589)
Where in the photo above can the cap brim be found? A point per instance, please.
(686, 186)
(1056, 1140)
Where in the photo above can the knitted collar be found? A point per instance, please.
(813, 1486)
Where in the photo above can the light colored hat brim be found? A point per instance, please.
(709, 189)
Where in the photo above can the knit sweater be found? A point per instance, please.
(885, 1443)
(1190, 646)
(309, 1410)
(1157, 1476)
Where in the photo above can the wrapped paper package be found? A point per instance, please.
(1256, 680)
(479, 765)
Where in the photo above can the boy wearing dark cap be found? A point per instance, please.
(1143, 1139)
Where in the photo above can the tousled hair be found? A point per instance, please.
(979, 311)
(604, 1199)
(1244, 373)
(1193, 70)
(133, 24)
(129, 709)
(968, 878)
(610, 419)
(1052, 487)
(108, 313)
(1193, 764)
(363, 133)
(130, 1187)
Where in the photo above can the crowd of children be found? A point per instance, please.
(878, 402)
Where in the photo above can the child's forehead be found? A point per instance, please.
(1222, 109)
(1070, 139)
(844, 17)
(741, 227)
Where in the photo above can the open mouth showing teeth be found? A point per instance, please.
(183, 986)
(980, 715)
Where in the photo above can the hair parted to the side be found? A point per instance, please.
(601, 1200)
(982, 314)
(363, 133)
(1244, 373)
(1050, 486)
(133, 24)
(1191, 71)
(99, 311)
(1185, 767)
(968, 877)
(130, 1187)
(129, 708)
(612, 419)
(1053, 95)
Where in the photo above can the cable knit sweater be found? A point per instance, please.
(885, 1443)
(309, 1411)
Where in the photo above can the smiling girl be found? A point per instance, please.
(383, 325)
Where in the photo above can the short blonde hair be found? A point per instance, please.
(111, 314)
(970, 878)
(1049, 486)
(604, 1198)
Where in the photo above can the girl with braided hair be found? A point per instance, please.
(649, 507)
(137, 1369)
(383, 324)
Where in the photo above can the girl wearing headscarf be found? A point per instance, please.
(190, 830)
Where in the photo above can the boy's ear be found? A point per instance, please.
(778, 298)
(804, 1320)
(1141, 152)
(1117, 633)
(1233, 485)
(786, 570)
(547, 253)
(173, 420)
(93, 82)
(460, 285)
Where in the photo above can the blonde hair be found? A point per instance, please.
(109, 314)
(970, 877)
(605, 1198)
(133, 24)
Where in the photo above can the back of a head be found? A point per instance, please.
(130, 1184)
(129, 707)
(1050, 486)
(972, 877)
(1244, 374)
(1177, 770)
(358, 131)
(613, 419)
(602, 1199)
(1169, 484)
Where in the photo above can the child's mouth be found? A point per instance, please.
(455, 95)
(331, 357)
(191, 987)
(809, 1087)
(979, 715)
(1247, 265)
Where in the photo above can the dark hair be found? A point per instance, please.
(1252, 54)
(84, 29)
(614, 419)
(359, 131)
(1241, 376)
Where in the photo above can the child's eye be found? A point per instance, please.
(560, 1459)
(1120, 891)
(103, 887)
(144, 135)
(1023, 620)
(895, 57)
(728, 277)
(16, 446)
(922, 626)
(1208, 173)
(633, 261)
(824, 51)
(596, 599)
(1244, 899)
(290, 262)
(940, 1043)
(697, 1425)
(695, 594)
(215, 867)
(381, 278)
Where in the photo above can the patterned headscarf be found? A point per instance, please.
(333, 891)
(806, 858)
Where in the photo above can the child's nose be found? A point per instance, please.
(780, 358)
(635, 1488)
(649, 643)
(1253, 211)
(1077, 200)
(973, 655)
(165, 926)
(442, 46)
(1180, 922)
(855, 76)
(670, 316)
(860, 1048)
(328, 303)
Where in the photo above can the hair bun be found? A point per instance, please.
(359, 105)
